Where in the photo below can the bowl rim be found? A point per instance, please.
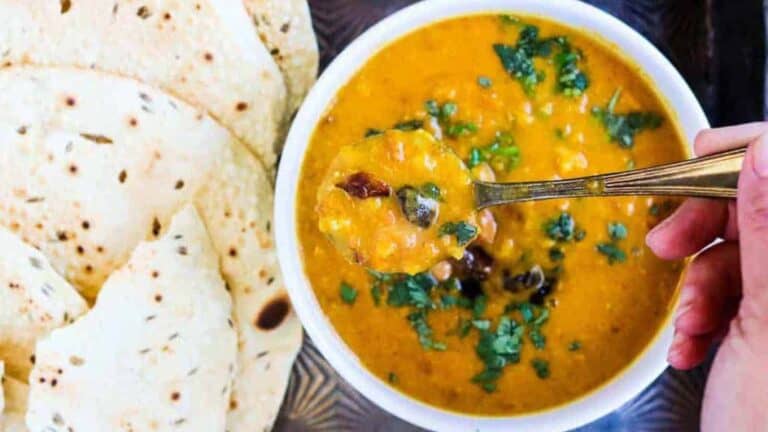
(603, 400)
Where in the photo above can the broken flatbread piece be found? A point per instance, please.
(156, 352)
(34, 300)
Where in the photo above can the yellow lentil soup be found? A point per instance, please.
(552, 299)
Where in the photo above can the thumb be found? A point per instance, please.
(753, 228)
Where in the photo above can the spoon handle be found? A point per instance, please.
(714, 176)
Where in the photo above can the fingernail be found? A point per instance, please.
(760, 156)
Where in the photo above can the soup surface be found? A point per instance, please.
(553, 298)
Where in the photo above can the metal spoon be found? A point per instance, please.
(714, 176)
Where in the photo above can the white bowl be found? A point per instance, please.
(607, 398)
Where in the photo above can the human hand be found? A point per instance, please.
(725, 291)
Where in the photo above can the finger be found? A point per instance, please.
(688, 352)
(711, 286)
(753, 228)
(721, 139)
(694, 225)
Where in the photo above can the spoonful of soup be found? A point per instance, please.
(399, 202)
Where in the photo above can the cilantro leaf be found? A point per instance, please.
(613, 252)
(617, 231)
(561, 228)
(376, 294)
(502, 154)
(347, 293)
(622, 128)
(418, 321)
(574, 346)
(456, 130)
(463, 231)
(571, 81)
(556, 254)
(484, 82)
(541, 367)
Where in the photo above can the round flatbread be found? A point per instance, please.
(204, 51)
(285, 27)
(156, 352)
(110, 174)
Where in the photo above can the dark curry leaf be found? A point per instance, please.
(409, 125)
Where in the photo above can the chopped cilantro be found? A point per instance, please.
(348, 293)
(613, 252)
(571, 81)
(561, 228)
(517, 60)
(456, 130)
(556, 254)
(538, 339)
(574, 346)
(509, 19)
(376, 293)
(502, 154)
(484, 82)
(478, 309)
(413, 291)
(579, 234)
(419, 323)
(448, 301)
(463, 231)
(622, 128)
(560, 133)
(541, 367)
(464, 328)
(617, 231)
(432, 107)
(481, 324)
(409, 125)
(497, 350)
(392, 378)
(519, 64)
(444, 114)
(654, 210)
(448, 110)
